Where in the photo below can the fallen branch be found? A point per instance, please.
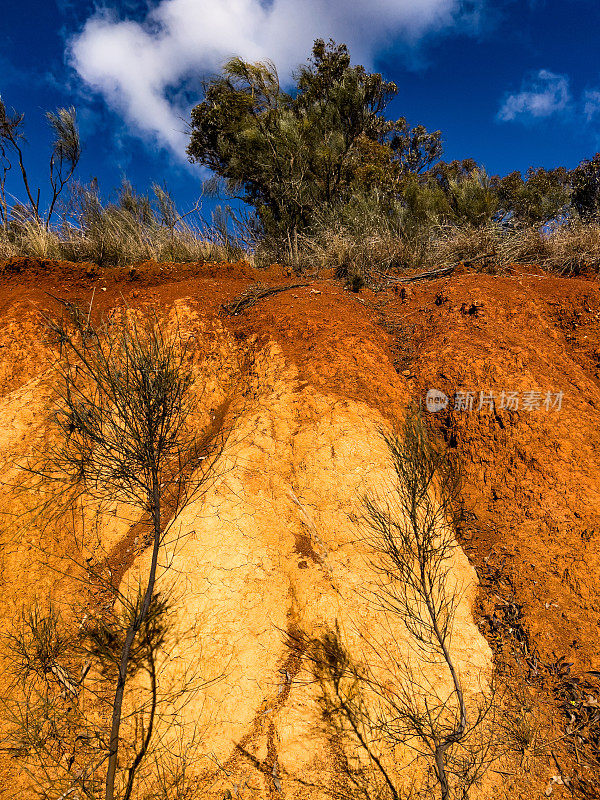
(442, 271)
(253, 294)
(436, 273)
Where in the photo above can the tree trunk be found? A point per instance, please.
(125, 653)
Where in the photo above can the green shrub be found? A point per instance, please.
(293, 154)
(586, 189)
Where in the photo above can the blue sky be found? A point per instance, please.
(511, 83)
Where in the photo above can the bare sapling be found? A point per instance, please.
(415, 700)
(123, 413)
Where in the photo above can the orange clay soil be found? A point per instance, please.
(531, 491)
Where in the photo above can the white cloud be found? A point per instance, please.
(591, 103)
(138, 67)
(541, 96)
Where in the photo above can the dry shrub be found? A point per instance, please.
(115, 241)
(357, 239)
(574, 249)
(569, 249)
(367, 244)
(33, 240)
(352, 254)
(464, 243)
(492, 246)
(525, 246)
(135, 229)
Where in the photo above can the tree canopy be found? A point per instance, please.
(315, 147)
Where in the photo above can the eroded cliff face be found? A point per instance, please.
(293, 393)
(268, 554)
(272, 550)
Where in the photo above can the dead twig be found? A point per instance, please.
(442, 271)
(436, 273)
(253, 294)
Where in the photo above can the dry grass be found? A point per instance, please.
(117, 242)
(489, 247)
(135, 228)
(371, 250)
(362, 243)
(384, 252)
(570, 249)
(574, 249)
(467, 243)
(352, 255)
